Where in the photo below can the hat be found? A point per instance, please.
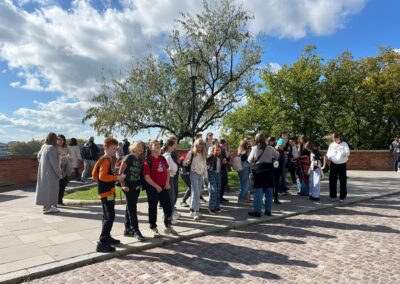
(91, 138)
(281, 142)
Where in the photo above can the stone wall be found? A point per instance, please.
(21, 171)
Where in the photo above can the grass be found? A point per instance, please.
(91, 193)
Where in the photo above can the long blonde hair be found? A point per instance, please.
(199, 142)
(133, 150)
(243, 147)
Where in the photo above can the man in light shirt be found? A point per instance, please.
(338, 153)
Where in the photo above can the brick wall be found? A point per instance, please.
(20, 171)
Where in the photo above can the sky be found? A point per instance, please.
(52, 52)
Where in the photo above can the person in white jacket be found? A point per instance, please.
(338, 154)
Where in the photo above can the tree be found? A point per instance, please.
(156, 93)
(25, 148)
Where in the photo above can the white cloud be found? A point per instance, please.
(296, 19)
(15, 84)
(396, 50)
(56, 50)
(274, 67)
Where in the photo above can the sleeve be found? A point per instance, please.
(330, 153)
(188, 157)
(346, 149)
(205, 173)
(250, 159)
(54, 161)
(78, 153)
(275, 154)
(146, 168)
(103, 172)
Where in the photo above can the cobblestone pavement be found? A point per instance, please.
(350, 244)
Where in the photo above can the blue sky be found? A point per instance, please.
(52, 52)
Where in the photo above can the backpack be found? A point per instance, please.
(86, 152)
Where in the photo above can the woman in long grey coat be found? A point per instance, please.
(49, 174)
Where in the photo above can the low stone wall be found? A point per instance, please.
(19, 171)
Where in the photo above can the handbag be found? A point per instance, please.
(253, 167)
(236, 164)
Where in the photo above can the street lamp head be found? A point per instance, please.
(193, 68)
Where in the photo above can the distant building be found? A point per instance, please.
(4, 149)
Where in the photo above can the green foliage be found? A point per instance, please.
(25, 148)
(358, 98)
(157, 94)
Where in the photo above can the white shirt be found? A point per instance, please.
(338, 153)
(199, 164)
(173, 167)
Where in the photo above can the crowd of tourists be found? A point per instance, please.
(262, 163)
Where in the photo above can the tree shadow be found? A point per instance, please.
(10, 197)
(207, 267)
(350, 212)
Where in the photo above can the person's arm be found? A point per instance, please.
(54, 161)
(205, 173)
(186, 162)
(251, 157)
(346, 149)
(330, 153)
(103, 172)
(148, 179)
(120, 172)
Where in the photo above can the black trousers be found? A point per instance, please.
(152, 198)
(77, 174)
(62, 184)
(176, 187)
(224, 183)
(131, 218)
(276, 184)
(108, 219)
(186, 180)
(338, 170)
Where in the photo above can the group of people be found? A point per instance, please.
(395, 149)
(262, 165)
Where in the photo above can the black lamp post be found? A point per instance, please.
(193, 70)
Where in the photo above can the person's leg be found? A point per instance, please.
(257, 203)
(396, 161)
(196, 183)
(62, 184)
(244, 178)
(107, 204)
(276, 186)
(152, 199)
(131, 219)
(212, 180)
(268, 192)
(77, 174)
(186, 180)
(217, 190)
(282, 182)
(333, 173)
(165, 201)
(171, 192)
(224, 184)
(316, 183)
(85, 170)
(176, 189)
(343, 180)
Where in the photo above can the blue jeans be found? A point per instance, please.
(196, 181)
(282, 181)
(214, 182)
(244, 180)
(259, 193)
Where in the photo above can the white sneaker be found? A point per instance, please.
(333, 199)
(176, 214)
(341, 200)
(197, 216)
(174, 220)
(52, 209)
(168, 230)
(192, 214)
(156, 234)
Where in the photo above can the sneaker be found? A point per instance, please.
(156, 234)
(104, 247)
(276, 201)
(211, 211)
(112, 241)
(168, 230)
(196, 216)
(139, 236)
(341, 200)
(202, 199)
(224, 200)
(129, 232)
(333, 199)
(254, 214)
(176, 214)
(199, 214)
(184, 204)
(218, 209)
(314, 198)
(51, 210)
(174, 220)
(192, 214)
(268, 213)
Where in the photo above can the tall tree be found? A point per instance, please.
(156, 93)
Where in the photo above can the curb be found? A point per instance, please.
(91, 258)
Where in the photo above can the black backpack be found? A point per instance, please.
(86, 152)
